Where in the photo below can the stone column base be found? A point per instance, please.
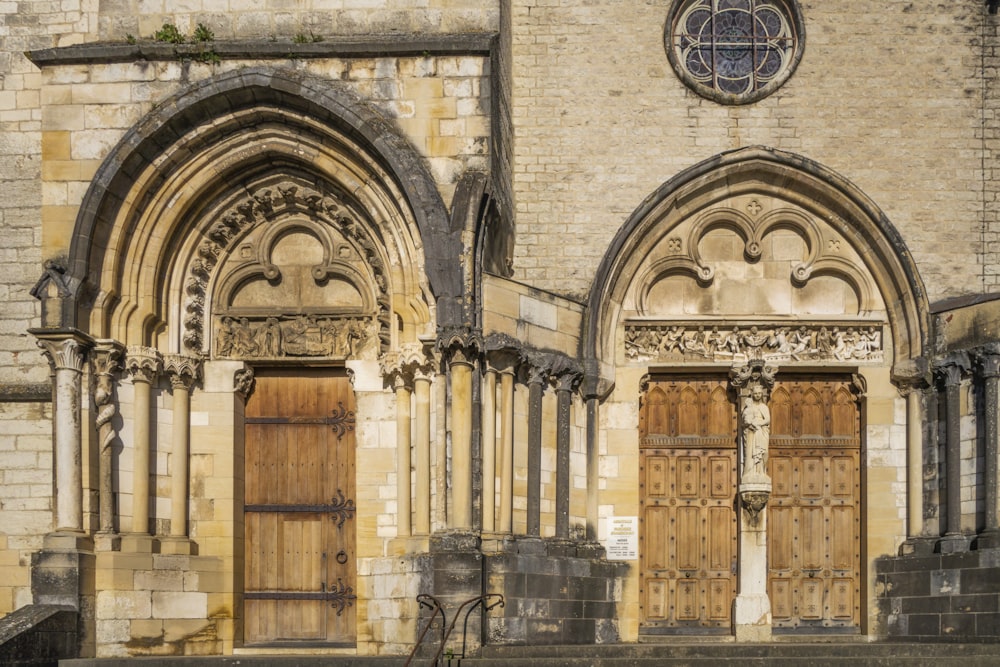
(954, 543)
(752, 618)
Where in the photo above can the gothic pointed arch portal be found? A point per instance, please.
(268, 220)
(757, 257)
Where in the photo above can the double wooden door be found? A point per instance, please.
(688, 534)
(300, 563)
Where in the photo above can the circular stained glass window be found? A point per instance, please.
(734, 51)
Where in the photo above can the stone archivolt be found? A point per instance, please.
(732, 342)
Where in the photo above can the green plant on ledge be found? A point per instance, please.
(169, 34)
(302, 38)
(203, 33)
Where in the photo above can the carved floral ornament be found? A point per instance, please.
(286, 330)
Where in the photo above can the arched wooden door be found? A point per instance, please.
(814, 514)
(300, 560)
(688, 520)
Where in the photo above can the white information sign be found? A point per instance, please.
(622, 542)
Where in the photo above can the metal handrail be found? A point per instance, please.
(482, 600)
(436, 607)
(431, 602)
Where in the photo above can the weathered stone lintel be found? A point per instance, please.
(374, 46)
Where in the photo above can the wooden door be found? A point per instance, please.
(688, 521)
(300, 567)
(814, 515)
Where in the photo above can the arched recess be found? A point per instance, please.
(837, 231)
(185, 190)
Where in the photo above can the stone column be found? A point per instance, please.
(507, 449)
(143, 365)
(66, 351)
(989, 368)
(536, 387)
(422, 428)
(489, 429)
(183, 371)
(593, 467)
(463, 347)
(401, 381)
(105, 361)
(949, 373)
(564, 405)
(752, 609)
(910, 378)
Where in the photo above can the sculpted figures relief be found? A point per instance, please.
(292, 336)
(728, 343)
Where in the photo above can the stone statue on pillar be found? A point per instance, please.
(756, 434)
(752, 608)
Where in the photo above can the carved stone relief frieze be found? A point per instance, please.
(292, 336)
(735, 342)
(336, 333)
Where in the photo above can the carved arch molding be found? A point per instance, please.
(753, 277)
(287, 269)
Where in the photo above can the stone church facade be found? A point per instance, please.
(659, 320)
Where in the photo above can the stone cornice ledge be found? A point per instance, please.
(368, 46)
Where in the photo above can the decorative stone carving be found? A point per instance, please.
(142, 363)
(53, 289)
(268, 205)
(183, 370)
(292, 336)
(833, 342)
(106, 359)
(243, 382)
(753, 382)
(756, 433)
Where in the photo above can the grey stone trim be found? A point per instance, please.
(374, 46)
(40, 392)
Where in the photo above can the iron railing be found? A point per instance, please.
(487, 602)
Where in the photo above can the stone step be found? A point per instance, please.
(826, 654)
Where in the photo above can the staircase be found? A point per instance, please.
(831, 654)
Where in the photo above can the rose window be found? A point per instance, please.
(734, 51)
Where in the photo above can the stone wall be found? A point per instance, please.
(601, 121)
(554, 593)
(26, 489)
(946, 597)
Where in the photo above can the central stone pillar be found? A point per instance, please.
(752, 611)
(107, 356)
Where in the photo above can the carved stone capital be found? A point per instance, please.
(755, 373)
(461, 345)
(65, 349)
(950, 370)
(107, 356)
(988, 361)
(142, 363)
(183, 370)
